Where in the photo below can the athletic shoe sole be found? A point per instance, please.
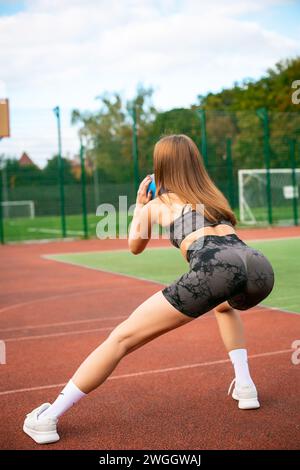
(41, 437)
(246, 403)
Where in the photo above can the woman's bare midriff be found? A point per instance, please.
(218, 230)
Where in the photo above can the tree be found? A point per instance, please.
(51, 171)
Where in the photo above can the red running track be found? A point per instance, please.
(170, 394)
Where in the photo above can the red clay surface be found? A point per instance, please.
(169, 394)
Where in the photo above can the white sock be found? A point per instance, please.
(67, 398)
(239, 360)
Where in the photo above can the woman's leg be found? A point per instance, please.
(152, 318)
(232, 333)
(230, 326)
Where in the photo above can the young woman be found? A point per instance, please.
(224, 274)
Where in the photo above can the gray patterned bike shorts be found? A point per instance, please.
(221, 268)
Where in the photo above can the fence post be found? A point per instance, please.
(230, 177)
(135, 149)
(202, 115)
(61, 174)
(292, 152)
(1, 211)
(262, 113)
(96, 184)
(83, 191)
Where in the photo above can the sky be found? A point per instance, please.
(67, 52)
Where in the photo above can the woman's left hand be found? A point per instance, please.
(142, 196)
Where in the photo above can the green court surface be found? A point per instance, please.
(50, 227)
(166, 264)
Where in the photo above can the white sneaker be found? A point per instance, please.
(42, 430)
(246, 395)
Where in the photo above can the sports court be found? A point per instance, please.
(59, 300)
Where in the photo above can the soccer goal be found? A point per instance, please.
(13, 209)
(253, 200)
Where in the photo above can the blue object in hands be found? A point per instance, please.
(152, 187)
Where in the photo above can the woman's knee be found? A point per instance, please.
(124, 337)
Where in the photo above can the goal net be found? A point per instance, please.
(14, 209)
(253, 199)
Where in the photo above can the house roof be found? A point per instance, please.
(25, 160)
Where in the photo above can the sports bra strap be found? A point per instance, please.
(188, 204)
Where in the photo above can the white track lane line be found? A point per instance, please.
(53, 257)
(91, 330)
(53, 297)
(65, 323)
(164, 247)
(106, 271)
(150, 372)
(57, 335)
(75, 322)
(257, 240)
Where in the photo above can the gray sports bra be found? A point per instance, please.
(187, 223)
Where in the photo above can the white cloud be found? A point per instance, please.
(3, 91)
(68, 51)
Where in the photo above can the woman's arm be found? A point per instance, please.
(144, 216)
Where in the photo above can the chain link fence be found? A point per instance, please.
(52, 181)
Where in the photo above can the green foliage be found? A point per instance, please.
(229, 113)
(108, 136)
(272, 91)
(21, 175)
(51, 173)
(30, 175)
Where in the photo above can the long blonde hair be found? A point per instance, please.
(179, 168)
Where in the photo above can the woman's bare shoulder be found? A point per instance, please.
(155, 206)
(163, 209)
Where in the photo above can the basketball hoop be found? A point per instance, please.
(4, 119)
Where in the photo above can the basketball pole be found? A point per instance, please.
(4, 132)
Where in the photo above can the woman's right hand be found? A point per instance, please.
(142, 196)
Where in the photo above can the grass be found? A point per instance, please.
(164, 265)
(49, 227)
